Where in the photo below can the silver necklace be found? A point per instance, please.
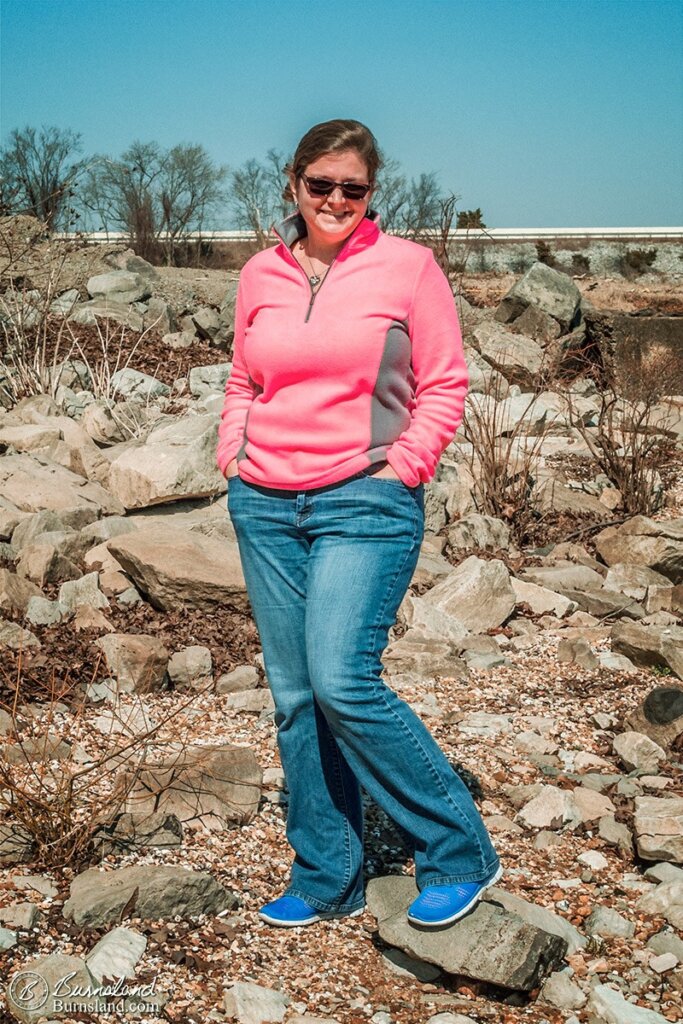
(315, 279)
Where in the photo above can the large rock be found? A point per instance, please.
(638, 752)
(41, 986)
(426, 618)
(108, 422)
(482, 377)
(130, 383)
(116, 954)
(249, 1003)
(84, 591)
(35, 483)
(490, 944)
(191, 666)
(541, 600)
(204, 380)
(16, 592)
(563, 576)
(665, 900)
(420, 654)
(137, 662)
(153, 891)
(553, 808)
(659, 828)
(660, 716)
(89, 313)
(16, 843)
(65, 520)
(177, 569)
(603, 603)
(636, 581)
(44, 563)
(650, 645)
(536, 324)
(27, 438)
(489, 416)
(549, 290)
(16, 638)
(176, 460)
(209, 786)
(127, 832)
(518, 359)
(475, 532)
(642, 541)
(477, 592)
(119, 286)
(539, 917)
(607, 1006)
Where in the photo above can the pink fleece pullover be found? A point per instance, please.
(368, 369)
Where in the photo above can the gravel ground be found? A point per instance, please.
(336, 969)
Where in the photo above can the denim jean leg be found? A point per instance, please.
(325, 812)
(365, 544)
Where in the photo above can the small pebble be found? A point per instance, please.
(665, 962)
(594, 860)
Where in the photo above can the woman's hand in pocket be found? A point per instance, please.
(232, 469)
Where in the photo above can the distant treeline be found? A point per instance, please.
(158, 196)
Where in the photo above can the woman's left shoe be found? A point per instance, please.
(292, 912)
(438, 905)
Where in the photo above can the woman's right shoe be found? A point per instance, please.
(292, 912)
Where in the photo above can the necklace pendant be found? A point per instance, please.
(314, 279)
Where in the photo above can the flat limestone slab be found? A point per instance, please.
(491, 944)
(175, 568)
(150, 892)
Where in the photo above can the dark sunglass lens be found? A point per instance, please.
(352, 191)
(320, 186)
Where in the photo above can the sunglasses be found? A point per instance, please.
(325, 187)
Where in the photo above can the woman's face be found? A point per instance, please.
(331, 219)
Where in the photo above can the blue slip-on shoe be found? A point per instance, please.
(292, 912)
(438, 905)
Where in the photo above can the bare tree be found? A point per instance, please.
(38, 174)
(157, 196)
(392, 196)
(190, 186)
(413, 209)
(424, 206)
(442, 250)
(275, 172)
(256, 194)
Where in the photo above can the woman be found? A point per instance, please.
(348, 382)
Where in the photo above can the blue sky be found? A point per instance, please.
(544, 113)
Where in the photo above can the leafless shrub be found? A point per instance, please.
(33, 343)
(631, 437)
(36, 342)
(52, 792)
(503, 461)
(637, 261)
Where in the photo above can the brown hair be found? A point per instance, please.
(335, 136)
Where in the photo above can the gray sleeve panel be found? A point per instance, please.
(241, 454)
(394, 389)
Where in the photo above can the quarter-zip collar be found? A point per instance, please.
(292, 228)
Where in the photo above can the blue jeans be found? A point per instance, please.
(326, 571)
